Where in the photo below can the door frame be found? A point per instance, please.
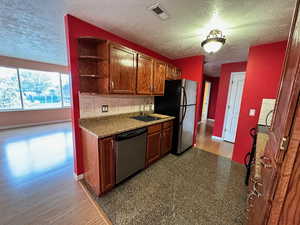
(210, 83)
(228, 98)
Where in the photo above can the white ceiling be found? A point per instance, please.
(34, 29)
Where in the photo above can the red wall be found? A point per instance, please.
(213, 96)
(192, 69)
(226, 70)
(262, 81)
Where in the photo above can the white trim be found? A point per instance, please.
(217, 138)
(78, 177)
(33, 124)
(213, 120)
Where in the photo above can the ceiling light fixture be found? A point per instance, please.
(214, 41)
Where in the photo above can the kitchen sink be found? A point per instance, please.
(145, 118)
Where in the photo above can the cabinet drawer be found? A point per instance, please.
(168, 124)
(154, 128)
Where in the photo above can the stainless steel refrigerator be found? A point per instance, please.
(179, 101)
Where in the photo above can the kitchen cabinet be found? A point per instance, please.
(105, 67)
(107, 154)
(93, 65)
(166, 138)
(159, 77)
(122, 70)
(173, 73)
(145, 67)
(99, 162)
(153, 144)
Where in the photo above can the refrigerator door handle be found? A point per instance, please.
(184, 105)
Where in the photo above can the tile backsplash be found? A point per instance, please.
(91, 105)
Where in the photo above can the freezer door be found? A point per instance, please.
(186, 129)
(191, 91)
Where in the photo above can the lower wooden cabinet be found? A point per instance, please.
(99, 162)
(99, 155)
(166, 141)
(153, 144)
(159, 141)
(107, 163)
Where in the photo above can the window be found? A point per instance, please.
(65, 88)
(40, 90)
(23, 89)
(10, 98)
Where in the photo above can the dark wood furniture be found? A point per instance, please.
(153, 144)
(122, 69)
(110, 68)
(99, 162)
(99, 157)
(273, 199)
(173, 73)
(145, 71)
(93, 65)
(160, 70)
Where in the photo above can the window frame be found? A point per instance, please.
(22, 109)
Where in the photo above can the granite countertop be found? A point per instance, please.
(262, 139)
(112, 125)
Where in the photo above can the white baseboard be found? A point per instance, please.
(33, 124)
(217, 138)
(78, 177)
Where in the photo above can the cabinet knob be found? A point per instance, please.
(112, 84)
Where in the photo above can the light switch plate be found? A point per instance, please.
(104, 108)
(252, 112)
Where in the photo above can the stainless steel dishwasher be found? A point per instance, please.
(131, 153)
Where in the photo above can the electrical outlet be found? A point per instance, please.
(104, 108)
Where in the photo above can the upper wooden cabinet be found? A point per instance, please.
(122, 70)
(173, 73)
(105, 67)
(159, 78)
(145, 67)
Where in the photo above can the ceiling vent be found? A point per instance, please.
(159, 11)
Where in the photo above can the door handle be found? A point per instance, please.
(265, 164)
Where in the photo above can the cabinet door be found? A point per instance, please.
(107, 163)
(170, 72)
(122, 70)
(166, 142)
(153, 147)
(144, 75)
(159, 78)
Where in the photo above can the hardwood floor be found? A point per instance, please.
(206, 143)
(36, 179)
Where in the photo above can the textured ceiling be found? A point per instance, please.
(35, 29)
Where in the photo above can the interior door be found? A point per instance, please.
(205, 101)
(144, 75)
(280, 131)
(159, 78)
(233, 106)
(122, 70)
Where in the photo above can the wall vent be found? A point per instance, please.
(159, 11)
